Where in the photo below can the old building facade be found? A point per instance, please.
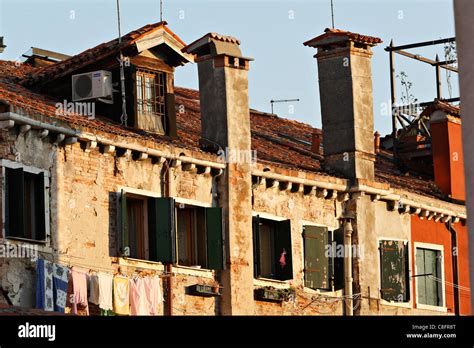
(273, 216)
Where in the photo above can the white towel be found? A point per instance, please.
(105, 290)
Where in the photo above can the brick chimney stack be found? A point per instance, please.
(225, 124)
(345, 88)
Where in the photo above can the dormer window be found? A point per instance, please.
(151, 100)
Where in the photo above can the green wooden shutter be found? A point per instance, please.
(316, 259)
(431, 285)
(215, 254)
(15, 198)
(338, 273)
(124, 236)
(256, 245)
(283, 243)
(40, 208)
(393, 270)
(420, 278)
(170, 115)
(162, 230)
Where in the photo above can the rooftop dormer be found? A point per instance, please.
(150, 55)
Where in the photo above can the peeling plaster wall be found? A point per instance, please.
(294, 206)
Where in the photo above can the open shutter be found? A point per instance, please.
(162, 231)
(40, 207)
(256, 245)
(393, 270)
(338, 260)
(124, 236)
(170, 115)
(284, 264)
(316, 259)
(215, 254)
(15, 195)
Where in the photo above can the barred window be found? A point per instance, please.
(151, 92)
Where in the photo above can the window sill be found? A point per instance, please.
(396, 304)
(277, 284)
(432, 308)
(158, 266)
(198, 272)
(335, 293)
(26, 240)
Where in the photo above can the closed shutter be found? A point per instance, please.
(256, 245)
(130, 74)
(338, 260)
(162, 231)
(428, 263)
(170, 115)
(316, 259)
(124, 235)
(215, 255)
(40, 207)
(284, 264)
(15, 195)
(393, 270)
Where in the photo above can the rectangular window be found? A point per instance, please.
(24, 204)
(156, 229)
(429, 277)
(191, 236)
(151, 99)
(394, 271)
(272, 249)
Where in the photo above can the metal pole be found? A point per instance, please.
(349, 310)
(332, 13)
(161, 10)
(438, 79)
(393, 101)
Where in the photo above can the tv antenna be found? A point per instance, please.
(123, 118)
(332, 13)
(282, 101)
(161, 10)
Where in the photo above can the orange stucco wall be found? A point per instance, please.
(448, 158)
(429, 231)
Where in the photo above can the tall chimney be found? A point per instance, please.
(225, 125)
(446, 146)
(345, 88)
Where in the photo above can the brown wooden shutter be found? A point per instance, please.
(170, 115)
(393, 270)
(15, 198)
(316, 258)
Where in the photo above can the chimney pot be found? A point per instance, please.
(377, 142)
(316, 143)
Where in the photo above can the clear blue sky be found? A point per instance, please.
(271, 31)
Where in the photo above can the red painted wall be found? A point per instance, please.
(429, 231)
(448, 158)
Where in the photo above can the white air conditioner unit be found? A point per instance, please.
(92, 85)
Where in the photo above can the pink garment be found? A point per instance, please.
(79, 290)
(153, 294)
(283, 258)
(138, 299)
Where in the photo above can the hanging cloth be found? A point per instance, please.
(105, 281)
(78, 300)
(60, 283)
(93, 281)
(153, 294)
(139, 304)
(121, 296)
(44, 285)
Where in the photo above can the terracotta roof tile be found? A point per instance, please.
(329, 32)
(98, 52)
(278, 141)
(441, 105)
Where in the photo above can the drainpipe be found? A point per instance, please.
(454, 246)
(215, 203)
(348, 267)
